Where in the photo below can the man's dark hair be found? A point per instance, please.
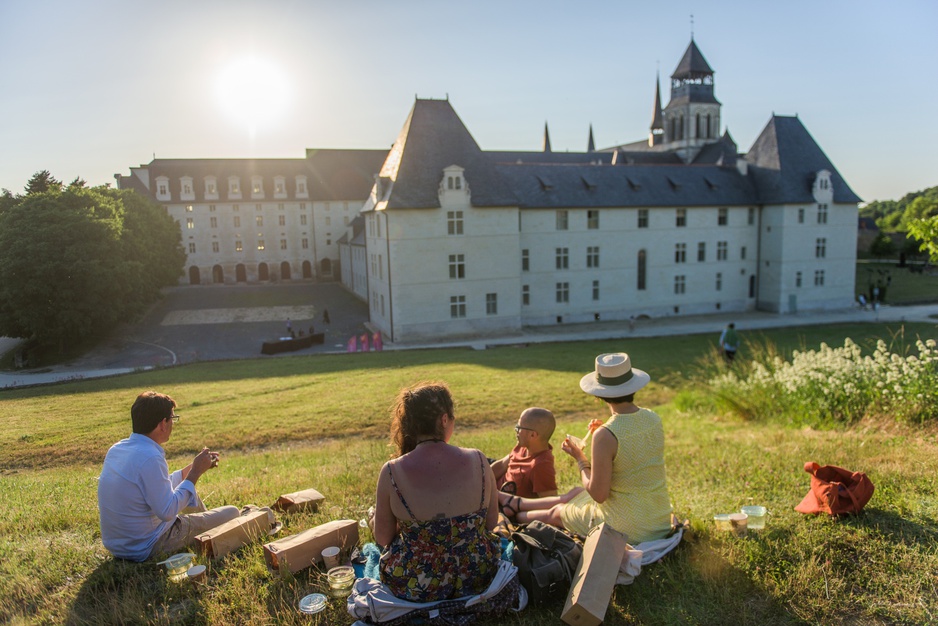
(620, 399)
(149, 409)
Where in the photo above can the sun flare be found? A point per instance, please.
(253, 92)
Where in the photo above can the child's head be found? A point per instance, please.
(534, 428)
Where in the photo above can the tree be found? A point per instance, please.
(926, 231)
(882, 246)
(42, 181)
(76, 262)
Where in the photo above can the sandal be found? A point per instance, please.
(509, 509)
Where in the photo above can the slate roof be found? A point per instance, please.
(432, 139)
(785, 159)
(587, 186)
(330, 174)
(722, 152)
(692, 63)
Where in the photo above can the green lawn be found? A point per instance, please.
(905, 287)
(292, 423)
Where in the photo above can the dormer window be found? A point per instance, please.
(211, 188)
(301, 190)
(280, 187)
(186, 189)
(257, 187)
(162, 188)
(453, 183)
(822, 189)
(234, 187)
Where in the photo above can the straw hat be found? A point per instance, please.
(614, 377)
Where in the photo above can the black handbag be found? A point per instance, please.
(546, 558)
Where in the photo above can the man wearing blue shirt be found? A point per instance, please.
(139, 501)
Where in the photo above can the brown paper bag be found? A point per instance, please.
(299, 551)
(595, 577)
(230, 536)
(307, 499)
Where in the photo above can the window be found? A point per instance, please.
(751, 217)
(592, 256)
(797, 279)
(280, 187)
(719, 281)
(722, 217)
(305, 243)
(213, 221)
(562, 219)
(680, 219)
(214, 246)
(281, 206)
(563, 292)
(457, 266)
(260, 244)
(491, 304)
(188, 208)
(328, 221)
(282, 220)
(822, 214)
(189, 223)
(457, 306)
(818, 278)
(235, 207)
(701, 251)
(643, 218)
(679, 282)
(238, 246)
(237, 221)
(801, 216)
(187, 188)
(234, 186)
(592, 219)
(642, 269)
(595, 290)
(260, 220)
(721, 251)
(525, 295)
(301, 185)
(454, 222)
(302, 206)
(211, 208)
(562, 258)
(820, 248)
(283, 244)
(303, 220)
(525, 261)
(162, 189)
(258, 206)
(191, 248)
(210, 188)
(680, 253)
(742, 253)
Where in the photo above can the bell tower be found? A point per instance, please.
(692, 117)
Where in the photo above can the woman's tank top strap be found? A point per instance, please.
(399, 494)
(482, 467)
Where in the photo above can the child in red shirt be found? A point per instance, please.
(530, 465)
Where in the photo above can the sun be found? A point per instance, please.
(253, 92)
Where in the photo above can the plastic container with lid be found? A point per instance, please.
(313, 603)
(341, 580)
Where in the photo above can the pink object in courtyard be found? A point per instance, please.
(364, 342)
(377, 342)
(352, 344)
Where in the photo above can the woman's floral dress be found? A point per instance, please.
(440, 559)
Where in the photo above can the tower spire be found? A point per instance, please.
(546, 138)
(656, 136)
(591, 145)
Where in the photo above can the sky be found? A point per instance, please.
(93, 88)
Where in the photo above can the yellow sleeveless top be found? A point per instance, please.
(638, 503)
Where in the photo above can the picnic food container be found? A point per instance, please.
(312, 604)
(341, 579)
(756, 516)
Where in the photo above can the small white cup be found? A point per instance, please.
(330, 557)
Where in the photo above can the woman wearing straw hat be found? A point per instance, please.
(625, 484)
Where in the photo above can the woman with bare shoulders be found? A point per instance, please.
(436, 505)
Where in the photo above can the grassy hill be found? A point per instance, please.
(293, 423)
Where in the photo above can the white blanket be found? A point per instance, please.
(643, 554)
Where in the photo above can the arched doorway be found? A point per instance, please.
(241, 274)
(285, 270)
(194, 275)
(262, 273)
(218, 274)
(307, 269)
(326, 267)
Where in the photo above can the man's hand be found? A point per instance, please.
(203, 461)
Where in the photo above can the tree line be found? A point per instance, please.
(75, 261)
(915, 215)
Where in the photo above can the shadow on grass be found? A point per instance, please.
(123, 592)
(899, 529)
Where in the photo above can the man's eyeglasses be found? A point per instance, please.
(173, 417)
(519, 428)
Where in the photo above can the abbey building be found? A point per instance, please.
(459, 241)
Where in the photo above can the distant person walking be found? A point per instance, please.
(289, 327)
(729, 342)
(325, 316)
